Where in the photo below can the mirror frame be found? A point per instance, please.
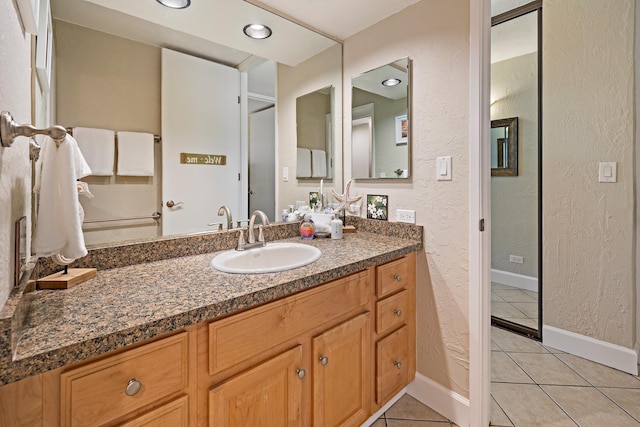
(512, 146)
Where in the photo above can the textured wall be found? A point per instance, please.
(435, 35)
(514, 200)
(109, 82)
(588, 104)
(315, 73)
(15, 175)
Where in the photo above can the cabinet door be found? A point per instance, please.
(172, 414)
(341, 391)
(269, 395)
(392, 364)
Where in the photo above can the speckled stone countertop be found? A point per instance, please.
(132, 303)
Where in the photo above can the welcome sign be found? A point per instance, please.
(203, 159)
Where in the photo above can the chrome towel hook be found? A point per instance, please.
(9, 130)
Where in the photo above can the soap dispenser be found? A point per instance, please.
(336, 227)
(307, 227)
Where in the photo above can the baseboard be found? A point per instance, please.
(612, 355)
(446, 402)
(372, 419)
(527, 283)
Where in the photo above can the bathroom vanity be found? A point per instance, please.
(325, 345)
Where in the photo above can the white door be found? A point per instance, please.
(200, 115)
(262, 162)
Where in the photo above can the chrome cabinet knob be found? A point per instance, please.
(397, 312)
(301, 373)
(171, 204)
(324, 360)
(398, 277)
(398, 365)
(133, 387)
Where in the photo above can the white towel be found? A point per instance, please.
(304, 163)
(59, 227)
(98, 148)
(135, 154)
(318, 163)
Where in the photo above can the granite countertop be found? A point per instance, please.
(125, 305)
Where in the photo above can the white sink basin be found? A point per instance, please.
(267, 259)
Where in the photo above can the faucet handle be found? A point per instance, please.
(261, 235)
(241, 241)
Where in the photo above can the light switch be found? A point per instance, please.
(607, 171)
(443, 168)
(285, 174)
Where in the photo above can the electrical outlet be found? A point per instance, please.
(515, 258)
(405, 215)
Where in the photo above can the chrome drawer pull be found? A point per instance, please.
(301, 373)
(397, 312)
(398, 277)
(324, 360)
(133, 387)
(397, 364)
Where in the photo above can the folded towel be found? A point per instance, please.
(59, 227)
(135, 154)
(98, 147)
(318, 163)
(304, 163)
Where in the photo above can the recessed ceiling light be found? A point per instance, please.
(175, 4)
(391, 82)
(257, 31)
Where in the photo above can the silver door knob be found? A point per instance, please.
(397, 312)
(398, 277)
(133, 387)
(171, 204)
(397, 364)
(324, 360)
(301, 373)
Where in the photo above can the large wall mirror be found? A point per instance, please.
(381, 131)
(109, 64)
(314, 134)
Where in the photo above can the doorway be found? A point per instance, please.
(516, 233)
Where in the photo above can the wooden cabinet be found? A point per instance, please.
(395, 347)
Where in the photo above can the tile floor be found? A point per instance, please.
(514, 304)
(533, 385)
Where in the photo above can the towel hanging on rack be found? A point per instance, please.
(59, 227)
(98, 147)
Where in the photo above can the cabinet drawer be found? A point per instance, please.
(392, 364)
(96, 393)
(391, 312)
(173, 414)
(392, 277)
(241, 337)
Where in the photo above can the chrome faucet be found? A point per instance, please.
(224, 210)
(251, 239)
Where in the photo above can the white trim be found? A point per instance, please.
(516, 280)
(372, 419)
(479, 208)
(446, 402)
(615, 356)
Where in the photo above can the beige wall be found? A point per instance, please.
(315, 73)
(435, 35)
(588, 104)
(311, 112)
(514, 199)
(15, 176)
(109, 82)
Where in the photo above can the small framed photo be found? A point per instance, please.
(377, 207)
(402, 129)
(314, 199)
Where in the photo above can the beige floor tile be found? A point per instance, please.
(553, 350)
(547, 369)
(527, 405)
(408, 408)
(530, 309)
(514, 295)
(495, 346)
(627, 398)
(417, 423)
(588, 407)
(512, 342)
(532, 294)
(496, 298)
(496, 286)
(379, 423)
(505, 310)
(503, 369)
(599, 375)
(498, 417)
(531, 323)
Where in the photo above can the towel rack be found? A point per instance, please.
(9, 130)
(156, 138)
(155, 215)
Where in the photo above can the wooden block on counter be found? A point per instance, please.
(348, 229)
(60, 280)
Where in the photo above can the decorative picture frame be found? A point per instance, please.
(29, 14)
(314, 199)
(378, 207)
(44, 46)
(402, 129)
